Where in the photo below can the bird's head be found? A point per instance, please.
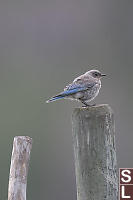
(95, 74)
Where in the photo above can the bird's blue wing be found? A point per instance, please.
(80, 84)
(73, 90)
(75, 87)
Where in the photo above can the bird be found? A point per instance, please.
(83, 89)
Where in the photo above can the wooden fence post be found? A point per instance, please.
(19, 168)
(95, 153)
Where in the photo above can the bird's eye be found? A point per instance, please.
(96, 74)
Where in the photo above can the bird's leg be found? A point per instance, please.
(86, 105)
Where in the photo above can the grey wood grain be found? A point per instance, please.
(95, 153)
(19, 168)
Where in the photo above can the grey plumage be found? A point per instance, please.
(84, 88)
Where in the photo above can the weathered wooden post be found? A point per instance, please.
(19, 168)
(95, 153)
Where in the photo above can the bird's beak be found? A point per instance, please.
(103, 74)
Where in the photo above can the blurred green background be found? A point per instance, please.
(44, 45)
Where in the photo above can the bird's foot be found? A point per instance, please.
(87, 105)
(93, 104)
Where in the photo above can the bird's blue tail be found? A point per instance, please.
(55, 98)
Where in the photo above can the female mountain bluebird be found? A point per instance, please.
(84, 88)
